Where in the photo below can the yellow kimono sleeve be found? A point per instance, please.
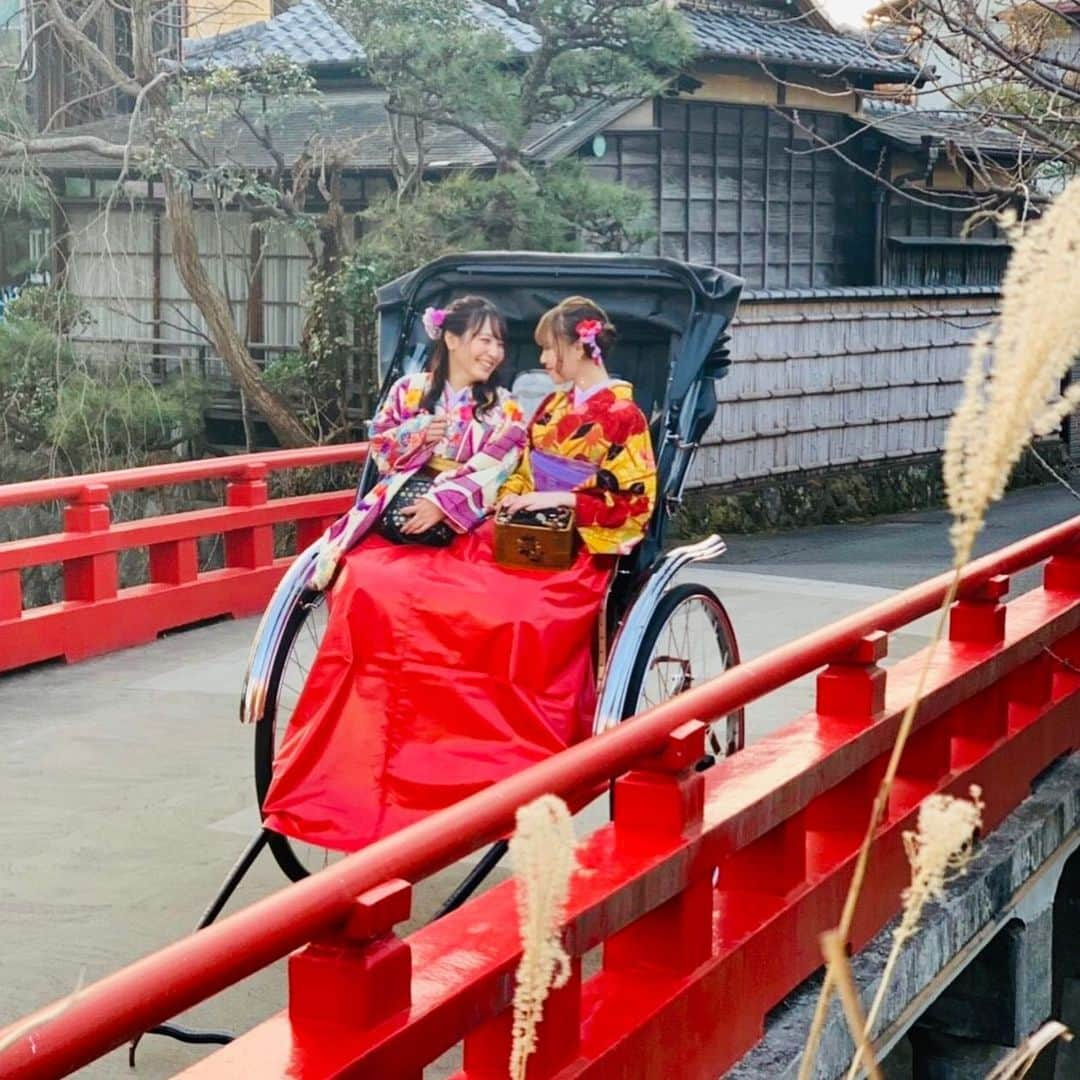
(612, 518)
(520, 481)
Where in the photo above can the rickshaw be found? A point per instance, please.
(673, 321)
(657, 637)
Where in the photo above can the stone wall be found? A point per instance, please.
(828, 496)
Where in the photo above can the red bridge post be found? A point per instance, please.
(252, 547)
(978, 617)
(360, 974)
(660, 802)
(853, 685)
(10, 595)
(90, 578)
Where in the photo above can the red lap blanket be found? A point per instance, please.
(439, 674)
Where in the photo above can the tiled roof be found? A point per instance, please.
(309, 35)
(305, 34)
(520, 35)
(910, 127)
(749, 32)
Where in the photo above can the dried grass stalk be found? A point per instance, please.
(832, 947)
(542, 849)
(938, 851)
(1008, 398)
(1017, 1064)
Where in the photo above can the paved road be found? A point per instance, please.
(125, 789)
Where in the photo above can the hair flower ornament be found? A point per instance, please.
(588, 330)
(433, 319)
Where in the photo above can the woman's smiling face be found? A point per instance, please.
(475, 357)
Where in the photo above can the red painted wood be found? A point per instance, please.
(183, 472)
(979, 616)
(10, 595)
(190, 524)
(779, 823)
(96, 616)
(92, 578)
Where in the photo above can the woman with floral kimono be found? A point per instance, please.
(453, 415)
(456, 672)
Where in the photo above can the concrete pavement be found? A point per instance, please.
(125, 782)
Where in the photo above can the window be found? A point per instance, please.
(745, 189)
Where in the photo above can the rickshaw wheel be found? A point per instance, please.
(689, 640)
(299, 643)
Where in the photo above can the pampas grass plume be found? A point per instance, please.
(1012, 387)
(542, 849)
(938, 851)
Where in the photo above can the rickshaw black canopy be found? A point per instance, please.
(693, 305)
(672, 319)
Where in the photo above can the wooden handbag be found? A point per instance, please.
(535, 539)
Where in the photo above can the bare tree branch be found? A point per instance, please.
(79, 41)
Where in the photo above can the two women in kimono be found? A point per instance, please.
(440, 671)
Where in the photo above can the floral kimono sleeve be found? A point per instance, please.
(614, 507)
(466, 494)
(398, 430)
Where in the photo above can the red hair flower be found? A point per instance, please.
(588, 330)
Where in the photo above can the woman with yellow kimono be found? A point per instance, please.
(589, 445)
(477, 670)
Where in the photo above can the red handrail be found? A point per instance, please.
(183, 472)
(149, 991)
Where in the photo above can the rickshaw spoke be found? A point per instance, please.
(690, 648)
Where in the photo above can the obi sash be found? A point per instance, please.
(554, 473)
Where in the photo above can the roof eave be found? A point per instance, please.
(995, 153)
(905, 76)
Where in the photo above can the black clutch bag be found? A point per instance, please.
(392, 520)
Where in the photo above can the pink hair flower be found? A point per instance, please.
(588, 330)
(433, 319)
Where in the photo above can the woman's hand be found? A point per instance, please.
(537, 500)
(422, 515)
(435, 432)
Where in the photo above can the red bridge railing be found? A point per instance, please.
(707, 892)
(96, 615)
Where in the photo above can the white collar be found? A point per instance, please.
(581, 396)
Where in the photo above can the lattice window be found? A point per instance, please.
(743, 188)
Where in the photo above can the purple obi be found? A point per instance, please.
(554, 473)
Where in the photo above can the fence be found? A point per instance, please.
(819, 379)
(707, 892)
(839, 377)
(95, 614)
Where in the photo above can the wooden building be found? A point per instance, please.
(761, 159)
(737, 157)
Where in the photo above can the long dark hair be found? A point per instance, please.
(466, 315)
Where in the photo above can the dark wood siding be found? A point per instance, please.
(742, 188)
(925, 245)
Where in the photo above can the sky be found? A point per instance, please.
(849, 12)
